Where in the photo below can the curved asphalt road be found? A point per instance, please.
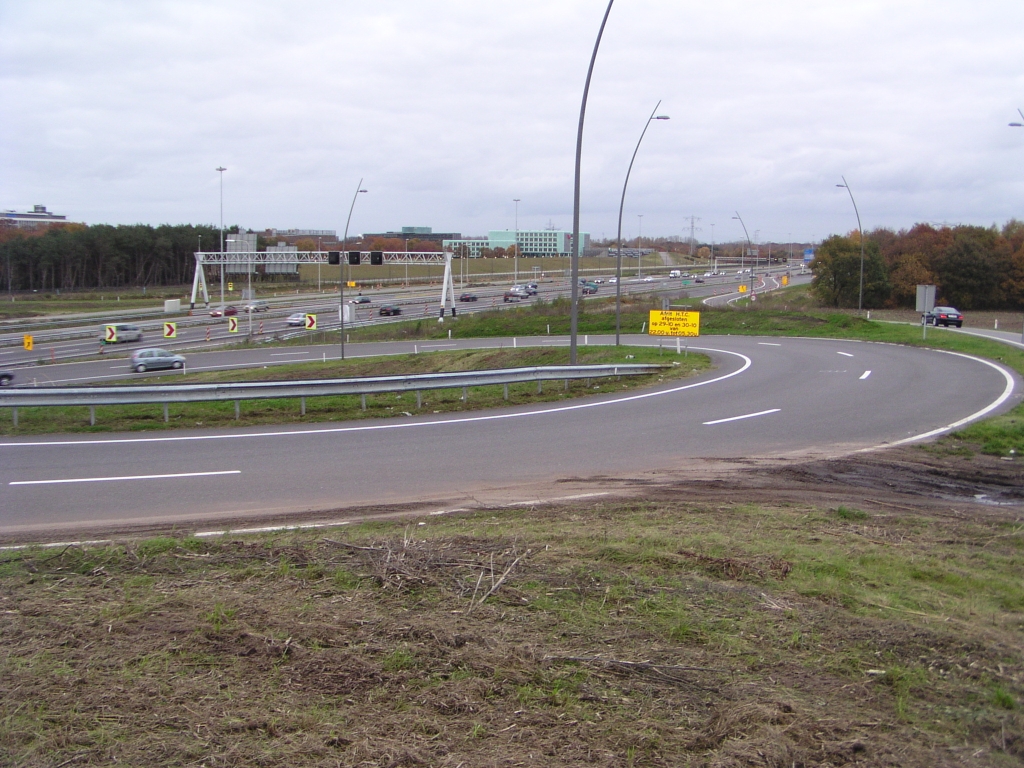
(768, 396)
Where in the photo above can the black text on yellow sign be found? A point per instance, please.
(743, 289)
(673, 323)
(170, 330)
(28, 341)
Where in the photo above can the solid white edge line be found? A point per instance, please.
(125, 477)
(747, 362)
(865, 375)
(744, 416)
(1007, 391)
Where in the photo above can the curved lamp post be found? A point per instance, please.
(220, 169)
(574, 258)
(749, 249)
(860, 295)
(1019, 125)
(515, 256)
(622, 202)
(341, 267)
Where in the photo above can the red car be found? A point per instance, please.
(226, 312)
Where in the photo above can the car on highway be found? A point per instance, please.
(467, 297)
(390, 309)
(613, 280)
(225, 312)
(532, 288)
(698, 279)
(296, 318)
(6, 378)
(946, 316)
(123, 332)
(588, 288)
(360, 300)
(511, 296)
(153, 359)
(648, 279)
(525, 289)
(257, 306)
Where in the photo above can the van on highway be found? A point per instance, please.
(121, 332)
(675, 273)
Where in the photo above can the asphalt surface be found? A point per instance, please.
(767, 397)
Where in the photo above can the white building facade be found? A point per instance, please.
(532, 242)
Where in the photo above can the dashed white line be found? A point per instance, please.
(768, 344)
(744, 416)
(123, 477)
(844, 354)
(865, 375)
(285, 354)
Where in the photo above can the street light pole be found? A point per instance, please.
(860, 295)
(343, 261)
(749, 248)
(574, 257)
(639, 252)
(515, 256)
(622, 203)
(220, 170)
(1019, 125)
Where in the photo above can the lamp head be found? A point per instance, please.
(1017, 125)
(362, 190)
(662, 117)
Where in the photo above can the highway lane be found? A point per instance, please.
(767, 397)
(200, 331)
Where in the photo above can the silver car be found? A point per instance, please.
(153, 359)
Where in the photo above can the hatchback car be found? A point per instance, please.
(390, 309)
(225, 312)
(296, 318)
(360, 300)
(155, 359)
(468, 297)
(946, 316)
(588, 288)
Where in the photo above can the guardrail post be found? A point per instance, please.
(465, 394)
(363, 400)
(419, 399)
(302, 406)
(566, 385)
(92, 415)
(506, 391)
(238, 410)
(166, 414)
(540, 386)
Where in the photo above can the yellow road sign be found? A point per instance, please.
(170, 330)
(28, 341)
(785, 279)
(351, 284)
(673, 323)
(310, 322)
(231, 286)
(232, 325)
(111, 334)
(743, 288)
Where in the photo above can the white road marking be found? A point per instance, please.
(767, 344)
(285, 354)
(574, 497)
(436, 346)
(124, 477)
(744, 416)
(865, 375)
(844, 354)
(747, 362)
(271, 529)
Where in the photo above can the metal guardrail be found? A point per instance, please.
(193, 393)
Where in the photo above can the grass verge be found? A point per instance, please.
(33, 421)
(675, 631)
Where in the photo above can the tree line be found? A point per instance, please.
(971, 267)
(70, 257)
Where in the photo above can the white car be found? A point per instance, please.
(613, 280)
(298, 318)
(648, 279)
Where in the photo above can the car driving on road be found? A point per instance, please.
(946, 316)
(257, 306)
(296, 318)
(468, 297)
(390, 309)
(588, 288)
(122, 332)
(360, 300)
(153, 359)
(6, 377)
(225, 312)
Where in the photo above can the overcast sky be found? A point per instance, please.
(118, 111)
